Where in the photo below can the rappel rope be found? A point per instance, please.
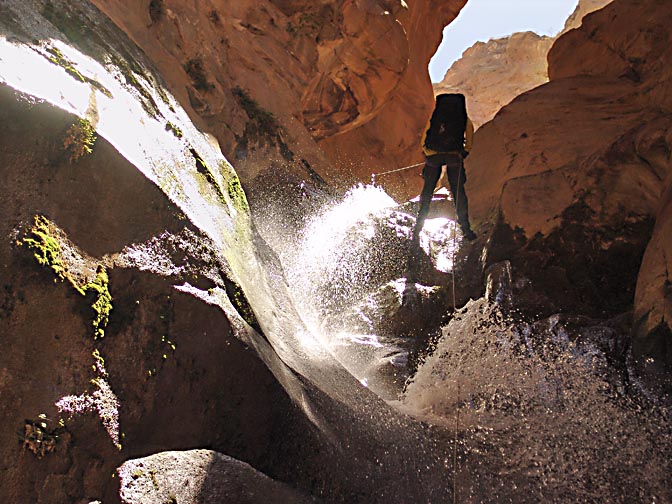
(457, 403)
(374, 175)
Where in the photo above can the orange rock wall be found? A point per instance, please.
(493, 73)
(350, 75)
(591, 150)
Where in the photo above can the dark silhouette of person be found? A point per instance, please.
(446, 141)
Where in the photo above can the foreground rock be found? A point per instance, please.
(108, 355)
(196, 476)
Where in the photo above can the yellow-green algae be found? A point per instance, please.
(79, 139)
(46, 247)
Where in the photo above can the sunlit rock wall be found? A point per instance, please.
(493, 73)
(490, 74)
(638, 54)
(270, 79)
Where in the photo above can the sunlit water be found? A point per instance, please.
(540, 414)
(347, 269)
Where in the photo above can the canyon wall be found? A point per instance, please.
(569, 187)
(574, 175)
(490, 74)
(328, 91)
(493, 73)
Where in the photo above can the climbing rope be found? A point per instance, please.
(374, 175)
(457, 403)
(457, 201)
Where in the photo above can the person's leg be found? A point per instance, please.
(457, 177)
(430, 173)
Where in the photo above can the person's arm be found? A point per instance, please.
(469, 135)
(425, 150)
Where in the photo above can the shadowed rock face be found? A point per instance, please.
(172, 387)
(574, 174)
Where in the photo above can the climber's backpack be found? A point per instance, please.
(448, 123)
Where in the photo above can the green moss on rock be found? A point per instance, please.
(240, 303)
(174, 129)
(57, 58)
(103, 302)
(204, 169)
(46, 248)
(236, 193)
(79, 139)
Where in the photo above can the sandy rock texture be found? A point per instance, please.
(573, 174)
(493, 73)
(195, 476)
(328, 91)
(490, 74)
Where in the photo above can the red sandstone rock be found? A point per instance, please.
(493, 73)
(350, 75)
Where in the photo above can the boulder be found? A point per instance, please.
(195, 476)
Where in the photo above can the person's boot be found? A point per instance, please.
(468, 233)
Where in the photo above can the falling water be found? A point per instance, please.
(347, 269)
(544, 414)
(541, 411)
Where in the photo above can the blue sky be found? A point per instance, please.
(487, 19)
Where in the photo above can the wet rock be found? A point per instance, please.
(498, 284)
(544, 400)
(158, 371)
(652, 335)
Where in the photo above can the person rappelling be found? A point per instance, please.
(446, 141)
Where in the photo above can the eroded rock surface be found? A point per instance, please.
(493, 73)
(271, 79)
(571, 174)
